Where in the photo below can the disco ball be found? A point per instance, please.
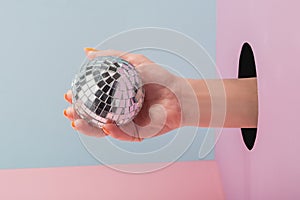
(107, 89)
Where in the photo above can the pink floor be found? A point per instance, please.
(182, 180)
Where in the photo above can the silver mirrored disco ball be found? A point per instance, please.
(107, 89)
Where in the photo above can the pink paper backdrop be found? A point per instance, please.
(272, 169)
(182, 180)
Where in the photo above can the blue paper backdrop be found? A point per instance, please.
(41, 49)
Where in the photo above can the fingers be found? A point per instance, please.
(71, 114)
(115, 132)
(68, 115)
(92, 53)
(68, 96)
(134, 59)
(83, 127)
(89, 49)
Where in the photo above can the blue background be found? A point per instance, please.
(41, 50)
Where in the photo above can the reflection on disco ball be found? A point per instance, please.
(107, 89)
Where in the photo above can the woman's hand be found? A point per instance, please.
(160, 112)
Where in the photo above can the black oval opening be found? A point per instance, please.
(247, 69)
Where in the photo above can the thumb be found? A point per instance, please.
(158, 117)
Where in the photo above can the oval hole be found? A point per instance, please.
(247, 69)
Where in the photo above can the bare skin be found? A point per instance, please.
(241, 102)
(167, 104)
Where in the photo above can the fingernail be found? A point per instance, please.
(65, 113)
(73, 125)
(66, 98)
(105, 131)
(89, 49)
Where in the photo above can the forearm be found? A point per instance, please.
(240, 96)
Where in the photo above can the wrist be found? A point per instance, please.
(202, 102)
(217, 103)
(187, 95)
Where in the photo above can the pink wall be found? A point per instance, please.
(272, 169)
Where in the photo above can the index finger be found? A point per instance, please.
(92, 53)
(134, 59)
